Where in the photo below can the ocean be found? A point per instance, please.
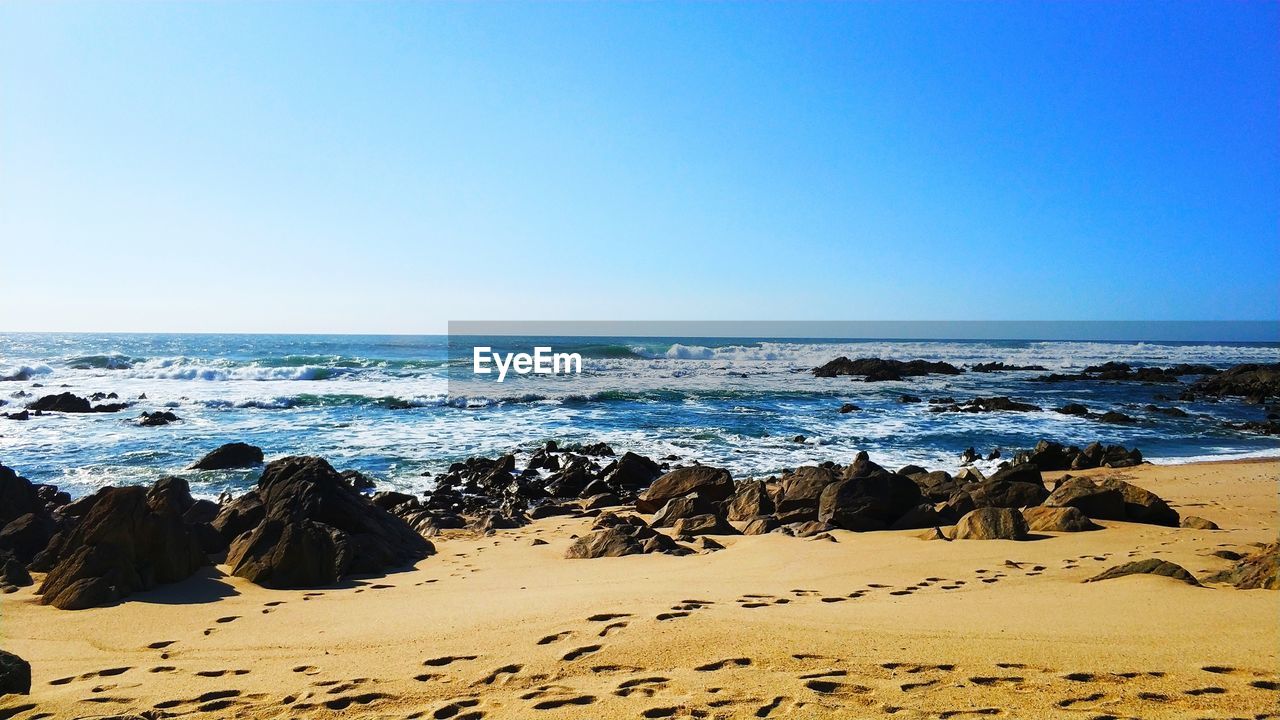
(402, 408)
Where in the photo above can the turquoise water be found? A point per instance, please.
(400, 406)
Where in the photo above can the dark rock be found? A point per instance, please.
(1001, 367)
(801, 489)
(806, 529)
(62, 402)
(706, 524)
(1001, 493)
(748, 501)
(132, 539)
(874, 369)
(988, 404)
(1116, 418)
(992, 523)
(848, 408)
(603, 500)
(358, 480)
(157, 418)
(1252, 380)
(632, 471)
(230, 456)
(1259, 570)
(318, 529)
(12, 571)
(920, 516)
(761, 525)
(27, 535)
(712, 484)
(20, 415)
(708, 545)
(614, 536)
(15, 675)
(1073, 409)
(868, 502)
(17, 496)
(389, 500)
(906, 399)
(552, 509)
(1095, 502)
(1151, 566)
(239, 516)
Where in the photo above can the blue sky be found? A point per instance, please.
(388, 167)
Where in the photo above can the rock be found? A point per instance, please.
(798, 439)
(970, 475)
(132, 539)
(874, 369)
(706, 524)
(923, 515)
(1231, 555)
(20, 415)
(709, 483)
(936, 486)
(17, 496)
(317, 529)
(63, 402)
(848, 408)
(358, 480)
(12, 571)
(157, 418)
(1259, 570)
(614, 536)
(239, 516)
(807, 529)
(27, 535)
(603, 500)
(748, 501)
(1251, 380)
(679, 508)
(1073, 409)
(934, 534)
(708, 545)
(1142, 506)
(15, 675)
(1001, 367)
(1002, 493)
(909, 399)
(1195, 522)
(1085, 495)
(537, 541)
(552, 509)
(1150, 566)
(1058, 519)
(988, 404)
(801, 489)
(761, 525)
(389, 500)
(632, 471)
(1116, 418)
(992, 523)
(871, 502)
(230, 456)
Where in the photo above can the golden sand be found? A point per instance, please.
(871, 625)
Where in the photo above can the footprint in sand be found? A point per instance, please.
(160, 644)
(580, 652)
(504, 673)
(611, 628)
(455, 709)
(672, 615)
(722, 664)
(555, 703)
(606, 617)
(555, 638)
(307, 670)
(646, 686)
(447, 660)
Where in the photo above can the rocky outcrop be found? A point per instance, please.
(1254, 381)
(800, 490)
(749, 500)
(705, 524)
(1123, 372)
(1113, 499)
(69, 403)
(131, 539)
(157, 418)
(708, 483)
(1058, 519)
(15, 675)
(631, 471)
(317, 529)
(1151, 566)
(989, 367)
(1050, 456)
(877, 369)
(615, 536)
(992, 523)
(869, 498)
(1257, 571)
(986, 404)
(230, 456)
(680, 508)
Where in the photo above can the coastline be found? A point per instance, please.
(770, 626)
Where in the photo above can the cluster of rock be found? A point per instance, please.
(982, 404)
(70, 403)
(1052, 456)
(880, 369)
(304, 525)
(157, 418)
(1255, 382)
(1123, 372)
(1002, 367)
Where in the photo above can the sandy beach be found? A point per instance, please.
(870, 624)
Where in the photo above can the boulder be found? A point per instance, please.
(680, 508)
(157, 418)
(1251, 380)
(875, 369)
(1085, 495)
(1259, 570)
(1020, 472)
(239, 516)
(748, 501)
(614, 536)
(938, 486)
(871, 502)
(133, 538)
(709, 483)
(1073, 409)
(923, 515)
(707, 524)
(603, 500)
(1142, 506)
(17, 496)
(27, 535)
(1058, 519)
(230, 456)
(12, 571)
(317, 528)
(1195, 522)
(632, 471)
(806, 529)
(802, 488)
(15, 675)
(1150, 566)
(992, 523)
(761, 525)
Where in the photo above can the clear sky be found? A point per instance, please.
(380, 167)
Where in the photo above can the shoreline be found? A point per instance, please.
(859, 625)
